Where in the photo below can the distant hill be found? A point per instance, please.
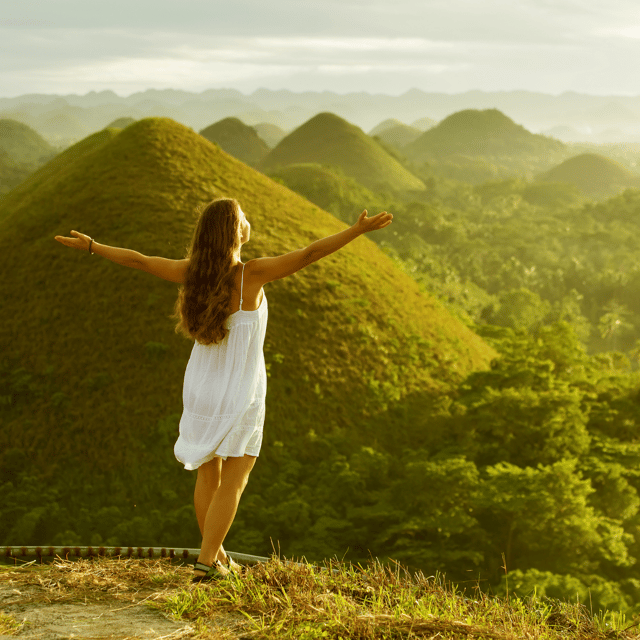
(566, 134)
(610, 114)
(424, 123)
(11, 173)
(55, 170)
(24, 145)
(22, 151)
(289, 109)
(270, 133)
(327, 139)
(94, 368)
(330, 190)
(62, 127)
(592, 174)
(121, 123)
(399, 136)
(487, 133)
(238, 139)
(389, 123)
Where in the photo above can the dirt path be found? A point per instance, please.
(35, 604)
(105, 619)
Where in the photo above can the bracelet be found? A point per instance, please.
(90, 243)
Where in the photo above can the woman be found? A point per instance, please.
(222, 307)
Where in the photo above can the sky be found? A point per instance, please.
(390, 46)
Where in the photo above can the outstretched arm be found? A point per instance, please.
(172, 270)
(268, 269)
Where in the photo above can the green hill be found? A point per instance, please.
(592, 174)
(327, 139)
(92, 369)
(56, 170)
(389, 123)
(63, 127)
(329, 189)
(23, 145)
(270, 133)
(22, 151)
(424, 123)
(487, 133)
(121, 123)
(237, 139)
(399, 136)
(11, 173)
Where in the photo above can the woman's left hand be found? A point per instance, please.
(80, 241)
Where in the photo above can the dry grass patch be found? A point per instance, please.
(285, 600)
(298, 601)
(94, 579)
(102, 597)
(9, 626)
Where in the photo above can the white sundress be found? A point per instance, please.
(225, 385)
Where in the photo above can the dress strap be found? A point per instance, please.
(241, 286)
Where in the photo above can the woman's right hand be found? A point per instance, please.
(80, 241)
(379, 221)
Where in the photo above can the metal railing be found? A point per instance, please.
(46, 553)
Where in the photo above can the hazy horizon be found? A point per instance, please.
(320, 90)
(546, 46)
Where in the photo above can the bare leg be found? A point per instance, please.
(223, 506)
(207, 484)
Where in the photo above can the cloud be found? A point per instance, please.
(449, 45)
(131, 59)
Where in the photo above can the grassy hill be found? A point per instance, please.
(121, 123)
(395, 133)
(22, 151)
(327, 139)
(62, 126)
(399, 136)
(592, 173)
(389, 123)
(480, 133)
(92, 368)
(22, 144)
(54, 172)
(424, 123)
(237, 139)
(329, 189)
(11, 173)
(270, 133)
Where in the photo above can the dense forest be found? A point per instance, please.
(518, 255)
(520, 467)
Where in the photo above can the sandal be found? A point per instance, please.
(216, 572)
(232, 565)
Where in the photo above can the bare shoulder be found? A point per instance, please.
(255, 266)
(265, 270)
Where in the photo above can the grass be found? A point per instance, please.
(237, 139)
(592, 173)
(284, 600)
(481, 132)
(299, 601)
(9, 626)
(329, 188)
(22, 144)
(327, 139)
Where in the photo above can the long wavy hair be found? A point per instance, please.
(203, 302)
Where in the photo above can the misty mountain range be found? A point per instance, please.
(570, 116)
